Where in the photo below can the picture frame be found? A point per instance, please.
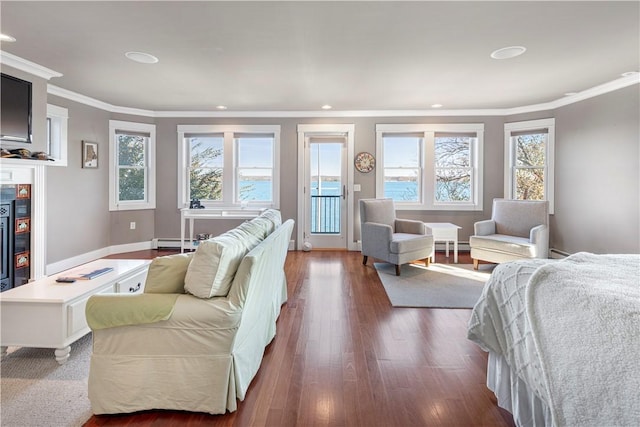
(89, 155)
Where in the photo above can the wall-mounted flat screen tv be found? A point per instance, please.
(15, 109)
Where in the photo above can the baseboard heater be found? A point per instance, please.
(165, 243)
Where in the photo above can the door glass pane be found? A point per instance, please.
(326, 187)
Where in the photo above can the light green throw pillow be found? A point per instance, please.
(166, 274)
(215, 263)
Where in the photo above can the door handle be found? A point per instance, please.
(344, 192)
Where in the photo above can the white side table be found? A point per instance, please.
(444, 232)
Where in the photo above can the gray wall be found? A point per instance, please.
(597, 192)
(78, 217)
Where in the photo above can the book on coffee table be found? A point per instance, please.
(92, 274)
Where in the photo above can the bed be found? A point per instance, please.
(563, 338)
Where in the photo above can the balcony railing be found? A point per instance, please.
(325, 214)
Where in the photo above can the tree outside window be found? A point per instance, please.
(131, 167)
(529, 169)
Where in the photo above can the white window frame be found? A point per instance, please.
(229, 200)
(58, 118)
(150, 159)
(426, 198)
(510, 156)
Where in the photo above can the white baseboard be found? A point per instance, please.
(75, 261)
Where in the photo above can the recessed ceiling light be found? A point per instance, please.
(326, 107)
(629, 73)
(508, 52)
(221, 107)
(7, 38)
(143, 58)
(436, 106)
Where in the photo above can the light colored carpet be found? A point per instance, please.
(37, 391)
(436, 286)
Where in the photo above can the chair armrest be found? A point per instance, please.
(410, 226)
(484, 228)
(539, 236)
(375, 236)
(109, 311)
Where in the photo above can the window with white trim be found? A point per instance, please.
(430, 167)
(529, 156)
(57, 118)
(229, 167)
(132, 173)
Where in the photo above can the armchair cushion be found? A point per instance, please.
(166, 274)
(403, 242)
(517, 246)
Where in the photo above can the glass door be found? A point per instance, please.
(325, 195)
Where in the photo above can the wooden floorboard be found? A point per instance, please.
(343, 356)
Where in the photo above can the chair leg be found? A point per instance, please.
(475, 264)
(364, 260)
(427, 261)
(397, 270)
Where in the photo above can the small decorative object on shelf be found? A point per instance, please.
(365, 162)
(195, 204)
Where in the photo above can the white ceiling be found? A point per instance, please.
(297, 56)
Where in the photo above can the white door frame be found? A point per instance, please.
(304, 131)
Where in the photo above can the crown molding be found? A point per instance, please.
(552, 105)
(27, 66)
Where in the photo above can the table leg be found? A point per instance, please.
(455, 250)
(62, 354)
(190, 232)
(433, 253)
(182, 233)
(446, 245)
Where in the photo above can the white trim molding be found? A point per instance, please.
(27, 66)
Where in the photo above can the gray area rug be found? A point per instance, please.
(37, 391)
(436, 286)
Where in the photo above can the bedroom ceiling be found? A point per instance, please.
(299, 56)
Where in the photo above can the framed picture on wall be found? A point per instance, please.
(89, 154)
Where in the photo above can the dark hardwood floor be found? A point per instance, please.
(343, 356)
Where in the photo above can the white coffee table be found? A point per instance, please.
(47, 314)
(444, 232)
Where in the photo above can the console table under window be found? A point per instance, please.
(194, 214)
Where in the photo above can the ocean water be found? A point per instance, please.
(397, 190)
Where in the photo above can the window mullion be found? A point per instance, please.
(229, 173)
(428, 190)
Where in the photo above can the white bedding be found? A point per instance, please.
(570, 330)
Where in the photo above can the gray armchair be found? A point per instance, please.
(387, 238)
(518, 229)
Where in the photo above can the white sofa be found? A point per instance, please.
(204, 354)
